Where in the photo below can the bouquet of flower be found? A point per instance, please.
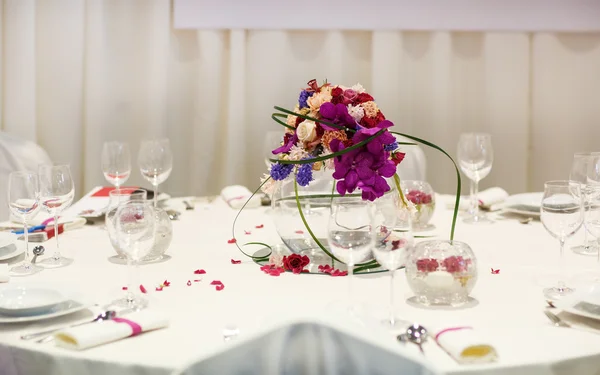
(338, 128)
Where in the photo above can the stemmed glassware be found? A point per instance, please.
(475, 158)
(116, 163)
(579, 173)
(116, 198)
(390, 251)
(56, 194)
(273, 140)
(562, 216)
(24, 202)
(156, 162)
(135, 230)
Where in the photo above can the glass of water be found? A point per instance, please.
(579, 173)
(156, 162)
(562, 216)
(475, 158)
(116, 162)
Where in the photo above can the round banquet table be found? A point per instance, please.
(507, 307)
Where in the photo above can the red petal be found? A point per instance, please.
(142, 289)
(233, 261)
(247, 232)
(220, 287)
(124, 288)
(233, 240)
(166, 283)
(495, 272)
(197, 280)
(189, 283)
(159, 289)
(260, 226)
(199, 272)
(216, 282)
(299, 232)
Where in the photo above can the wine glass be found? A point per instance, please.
(351, 233)
(156, 162)
(579, 173)
(390, 251)
(116, 162)
(116, 198)
(562, 216)
(135, 230)
(592, 214)
(56, 194)
(273, 140)
(24, 203)
(475, 158)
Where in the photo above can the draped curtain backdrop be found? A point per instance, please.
(77, 73)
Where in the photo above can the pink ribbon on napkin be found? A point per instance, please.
(235, 199)
(136, 329)
(450, 330)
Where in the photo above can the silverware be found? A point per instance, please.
(558, 322)
(550, 304)
(402, 338)
(188, 205)
(417, 334)
(173, 215)
(106, 315)
(38, 250)
(525, 220)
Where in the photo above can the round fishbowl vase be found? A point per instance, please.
(441, 272)
(164, 235)
(422, 196)
(315, 203)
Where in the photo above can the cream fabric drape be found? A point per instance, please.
(76, 73)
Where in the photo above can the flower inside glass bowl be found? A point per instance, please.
(441, 272)
(422, 196)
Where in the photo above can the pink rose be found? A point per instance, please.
(349, 96)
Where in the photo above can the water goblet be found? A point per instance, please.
(116, 198)
(351, 233)
(591, 219)
(273, 140)
(24, 203)
(135, 229)
(116, 162)
(156, 162)
(475, 158)
(562, 216)
(579, 173)
(57, 191)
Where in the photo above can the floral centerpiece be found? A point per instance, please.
(342, 131)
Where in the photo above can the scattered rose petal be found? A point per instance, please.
(159, 288)
(271, 269)
(260, 226)
(197, 280)
(124, 288)
(299, 232)
(142, 289)
(233, 240)
(216, 282)
(331, 271)
(495, 272)
(247, 232)
(220, 287)
(166, 283)
(199, 272)
(189, 283)
(233, 261)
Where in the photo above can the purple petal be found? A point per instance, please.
(341, 187)
(327, 110)
(375, 147)
(351, 181)
(364, 159)
(388, 169)
(385, 124)
(335, 145)
(286, 147)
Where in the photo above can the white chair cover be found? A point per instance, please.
(17, 154)
(307, 349)
(414, 165)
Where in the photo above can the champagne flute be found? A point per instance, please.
(579, 173)
(351, 233)
(135, 225)
(562, 216)
(24, 202)
(273, 140)
(156, 162)
(475, 158)
(56, 194)
(116, 162)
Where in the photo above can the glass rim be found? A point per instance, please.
(164, 139)
(586, 153)
(476, 134)
(561, 183)
(23, 173)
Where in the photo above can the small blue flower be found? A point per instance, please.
(304, 95)
(391, 146)
(304, 175)
(281, 171)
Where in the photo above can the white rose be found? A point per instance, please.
(307, 131)
(357, 112)
(358, 88)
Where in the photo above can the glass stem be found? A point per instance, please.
(472, 197)
(561, 283)
(351, 283)
(132, 283)
(57, 252)
(475, 199)
(586, 244)
(156, 196)
(26, 234)
(392, 305)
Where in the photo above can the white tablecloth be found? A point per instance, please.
(507, 307)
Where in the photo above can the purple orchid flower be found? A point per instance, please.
(288, 141)
(338, 114)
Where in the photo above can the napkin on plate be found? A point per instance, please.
(94, 334)
(490, 199)
(465, 346)
(237, 195)
(4, 273)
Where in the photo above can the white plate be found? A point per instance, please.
(527, 203)
(7, 238)
(584, 302)
(65, 308)
(27, 300)
(11, 251)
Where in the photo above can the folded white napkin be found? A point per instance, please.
(4, 273)
(94, 334)
(465, 346)
(490, 199)
(237, 195)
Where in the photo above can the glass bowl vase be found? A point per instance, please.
(441, 272)
(421, 194)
